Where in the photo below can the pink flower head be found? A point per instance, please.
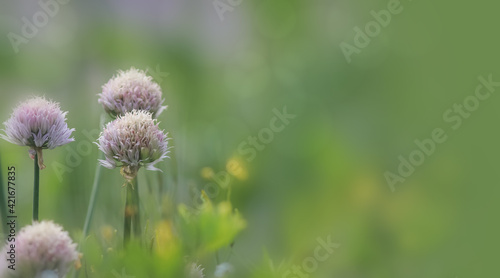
(41, 248)
(39, 124)
(131, 90)
(132, 141)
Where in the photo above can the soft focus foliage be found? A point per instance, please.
(323, 174)
(211, 227)
(201, 232)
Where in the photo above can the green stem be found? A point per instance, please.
(149, 183)
(36, 190)
(136, 220)
(90, 209)
(160, 186)
(92, 203)
(127, 226)
(93, 194)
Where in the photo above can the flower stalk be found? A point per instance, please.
(93, 194)
(128, 213)
(136, 218)
(132, 217)
(36, 188)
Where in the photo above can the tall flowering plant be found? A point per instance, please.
(127, 91)
(39, 124)
(130, 142)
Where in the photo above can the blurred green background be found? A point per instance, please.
(323, 175)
